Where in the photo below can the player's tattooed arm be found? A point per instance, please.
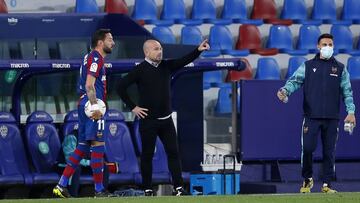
(91, 94)
(90, 89)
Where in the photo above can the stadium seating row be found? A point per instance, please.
(44, 150)
(234, 11)
(280, 40)
(111, 6)
(249, 41)
(88, 6)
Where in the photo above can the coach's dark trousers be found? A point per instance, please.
(165, 129)
(329, 135)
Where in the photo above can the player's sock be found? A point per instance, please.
(72, 163)
(97, 166)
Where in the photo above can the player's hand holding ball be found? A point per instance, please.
(95, 111)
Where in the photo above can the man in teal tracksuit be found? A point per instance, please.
(324, 80)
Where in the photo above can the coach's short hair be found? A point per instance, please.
(325, 35)
(98, 35)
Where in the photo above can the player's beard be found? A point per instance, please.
(107, 50)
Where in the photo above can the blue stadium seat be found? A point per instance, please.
(325, 10)
(71, 122)
(191, 35)
(308, 36)
(175, 10)
(146, 10)
(280, 37)
(161, 173)
(119, 148)
(351, 10)
(221, 41)
(164, 34)
(343, 40)
(86, 6)
(212, 79)
(294, 64)
(353, 66)
(296, 10)
(267, 69)
(206, 10)
(236, 11)
(44, 146)
(223, 105)
(14, 169)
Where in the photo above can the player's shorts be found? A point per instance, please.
(90, 130)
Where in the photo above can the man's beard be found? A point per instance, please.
(107, 50)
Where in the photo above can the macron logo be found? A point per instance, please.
(225, 64)
(96, 58)
(19, 65)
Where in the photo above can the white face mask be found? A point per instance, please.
(326, 52)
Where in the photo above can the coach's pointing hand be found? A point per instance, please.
(204, 45)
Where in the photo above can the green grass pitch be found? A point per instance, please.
(347, 197)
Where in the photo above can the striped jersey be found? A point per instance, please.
(93, 64)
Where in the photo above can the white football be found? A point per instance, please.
(102, 107)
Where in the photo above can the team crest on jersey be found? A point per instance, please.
(40, 129)
(93, 67)
(3, 131)
(113, 129)
(334, 71)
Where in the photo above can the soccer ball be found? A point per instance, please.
(102, 107)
